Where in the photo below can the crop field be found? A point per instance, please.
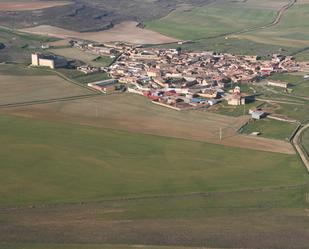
(216, 19)
(126, 32)
(29, 5)
(31, 85)
(82, 78)
(270, 128)
(134, 113)
(291, 31)
(90, 185)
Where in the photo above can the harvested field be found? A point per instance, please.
(125, 32)
(136, 114)
(30, 5)
(17, 89)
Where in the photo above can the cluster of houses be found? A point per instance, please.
(188, 79)
(182, 79)
(100, 49)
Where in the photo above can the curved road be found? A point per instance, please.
(299, 148)
(276, 21)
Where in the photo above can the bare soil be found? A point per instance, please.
(30, 5)
(125, 32)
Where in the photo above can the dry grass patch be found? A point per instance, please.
(18, 89)
(30, 5)
(126, 32)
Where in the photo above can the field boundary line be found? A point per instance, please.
(47, 101)
(167, 196)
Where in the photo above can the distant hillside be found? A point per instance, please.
(93, 15)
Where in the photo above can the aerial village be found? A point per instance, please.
(185, 80)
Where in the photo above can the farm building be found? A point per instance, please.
(103, 86)
(278, 84)
(258, 114)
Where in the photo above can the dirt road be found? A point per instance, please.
(298, 146)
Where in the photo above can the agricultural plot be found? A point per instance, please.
(270, 128)
(298, 84)
(30, 5)
(136, 114)
(82, 78)
(125, 32)
(291, 31)
(157, 190)
(19, 90)
(216, 19)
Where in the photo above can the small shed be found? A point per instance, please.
(258, 114)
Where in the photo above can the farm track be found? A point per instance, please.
(299, 148)
(275, 22)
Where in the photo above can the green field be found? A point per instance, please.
(299, 85)
(211, 20)
(291, 31)
(270, 128)
(111, 167)
(21, 70)
(82, 78)
(83, 185)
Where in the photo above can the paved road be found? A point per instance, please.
(298, 146)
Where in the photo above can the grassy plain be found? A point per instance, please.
(111, 167)
(211, 20)
(90, 186)
(82, 78)
(270, 128)
(24, 85)
(299, 85)
(291, 31)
